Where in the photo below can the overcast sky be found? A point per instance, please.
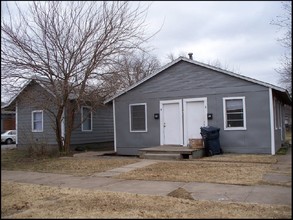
(238, 34)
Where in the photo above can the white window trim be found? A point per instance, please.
(244, 114)
(82, 121)
(146, 125)
(34, 130)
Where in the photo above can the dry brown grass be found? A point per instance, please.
(54, 202)
(201, 171)
(13, 160)
(242, 158)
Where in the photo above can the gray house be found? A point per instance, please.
(169, 107)
(34, 123)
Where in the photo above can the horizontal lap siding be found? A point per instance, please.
(102, 130)
(26, 103)
(185, 80)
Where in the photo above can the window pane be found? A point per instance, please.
(37, 121)
(234, 105)
(234, 116)
(87, 119)
(234, 113)
(234, 123)
(38, 116)
(138, 118)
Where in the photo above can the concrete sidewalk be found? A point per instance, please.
(263, 194)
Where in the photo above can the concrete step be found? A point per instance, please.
(161, 156)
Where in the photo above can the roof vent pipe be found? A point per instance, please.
(190, 56)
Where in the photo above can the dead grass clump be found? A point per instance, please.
(212, 172)
(181, 193)
(54, 202)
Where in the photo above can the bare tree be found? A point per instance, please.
(171, 56)
(70, 44)
(284, 23)
(128, 70)
(216, 63)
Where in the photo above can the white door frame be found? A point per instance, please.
(185, 101)
(176, 101)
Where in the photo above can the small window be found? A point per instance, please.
(37, 121)
(234, 113)
(138, 117)
(86, 117)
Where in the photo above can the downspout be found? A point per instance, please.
(273, 149)
(114, 122)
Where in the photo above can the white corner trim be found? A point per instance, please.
(63, 126)
(273, 148)
(16, 123)
(114, 123)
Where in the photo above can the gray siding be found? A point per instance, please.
(34, 98)
(102, 127)
(27, 102)
(185, 80)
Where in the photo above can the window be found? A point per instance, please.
(234, 113)
(37, 121)
(138, 117)
(86, 118)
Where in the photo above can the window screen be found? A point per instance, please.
(86, 119)
(37, 121)
(138, 117)
(234, 113)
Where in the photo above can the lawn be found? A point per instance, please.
(19, 200)
(201, 171)
(18, 160)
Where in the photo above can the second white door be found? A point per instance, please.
(195, 116)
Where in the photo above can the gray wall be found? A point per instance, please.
(185, 80)
(33, 99)
(28, 101)
(102, 127)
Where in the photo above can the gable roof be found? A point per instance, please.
(279, 89)
(44, 83)
(40, 80)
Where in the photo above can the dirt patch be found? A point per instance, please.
(201, 171)
(180, 193)
(34, 201)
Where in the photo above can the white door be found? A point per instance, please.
(171, 122)
(195, 116)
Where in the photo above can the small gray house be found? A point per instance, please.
(35, 127)
(169, 106)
